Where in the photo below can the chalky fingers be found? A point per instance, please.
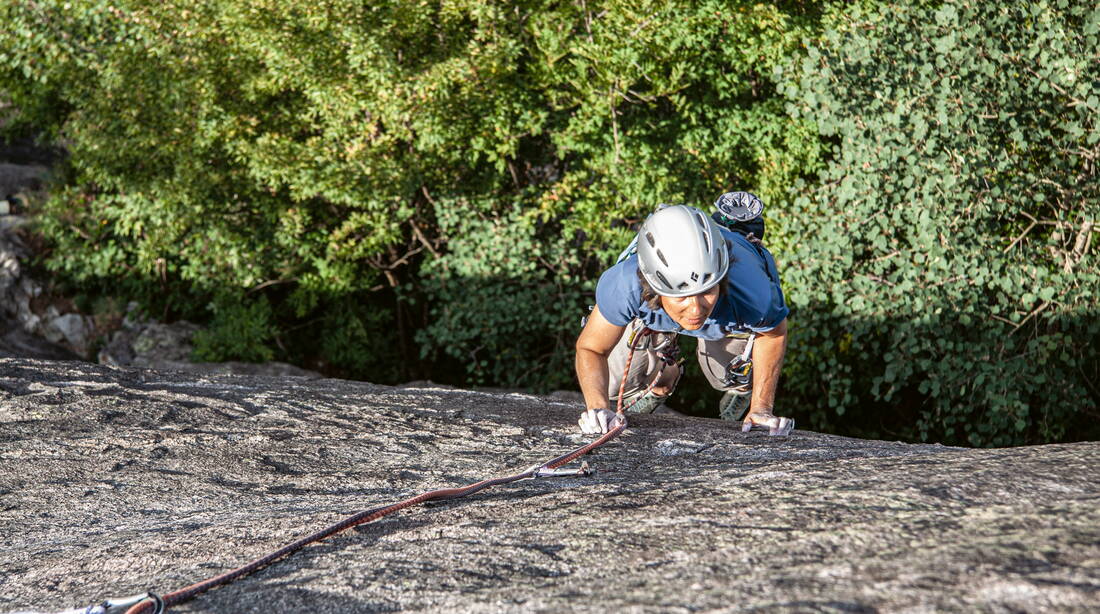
(776, 425)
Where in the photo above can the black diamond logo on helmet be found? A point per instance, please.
(694, 276)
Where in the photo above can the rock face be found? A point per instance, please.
(15, 178)
(18, 343)
(118, 481)
(153, 345)
(28, 328)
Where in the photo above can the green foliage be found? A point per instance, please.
(476, 162)
(396, 190)
(238, 331)
(944, 286)
(358, 340)
(508, 305)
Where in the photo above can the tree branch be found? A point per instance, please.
(1034, 312)
(419, 234)
(1080, 247)
(1019, 238)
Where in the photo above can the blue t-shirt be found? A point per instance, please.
(754, 301)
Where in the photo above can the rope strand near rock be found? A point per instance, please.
(151, 603)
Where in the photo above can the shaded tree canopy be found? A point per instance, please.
(389, 190)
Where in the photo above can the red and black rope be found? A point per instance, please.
(187, 593)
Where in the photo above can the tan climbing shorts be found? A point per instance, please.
(647, 364)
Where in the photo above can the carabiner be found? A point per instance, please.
(546, 472)
(738, 372)
(119, 605)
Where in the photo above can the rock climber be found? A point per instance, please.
(689, 276)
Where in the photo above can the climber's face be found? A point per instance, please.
(690, 312)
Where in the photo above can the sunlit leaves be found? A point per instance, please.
(954, 227)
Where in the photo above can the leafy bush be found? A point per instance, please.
(393, 191)
(464, 168)
(944, 287)
(238, 331)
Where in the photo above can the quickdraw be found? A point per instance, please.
(739, 370)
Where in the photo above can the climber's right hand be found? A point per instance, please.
(596, 421)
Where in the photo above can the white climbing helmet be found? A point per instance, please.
(681, 251)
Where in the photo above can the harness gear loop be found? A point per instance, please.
(739, 370)
(642, 334)
(666, 348)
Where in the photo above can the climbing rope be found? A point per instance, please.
(150, 603)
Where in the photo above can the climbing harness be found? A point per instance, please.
(666, 349)
(150, 603)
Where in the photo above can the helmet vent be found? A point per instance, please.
(681, 251)
(663, 280)
(662, 257)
